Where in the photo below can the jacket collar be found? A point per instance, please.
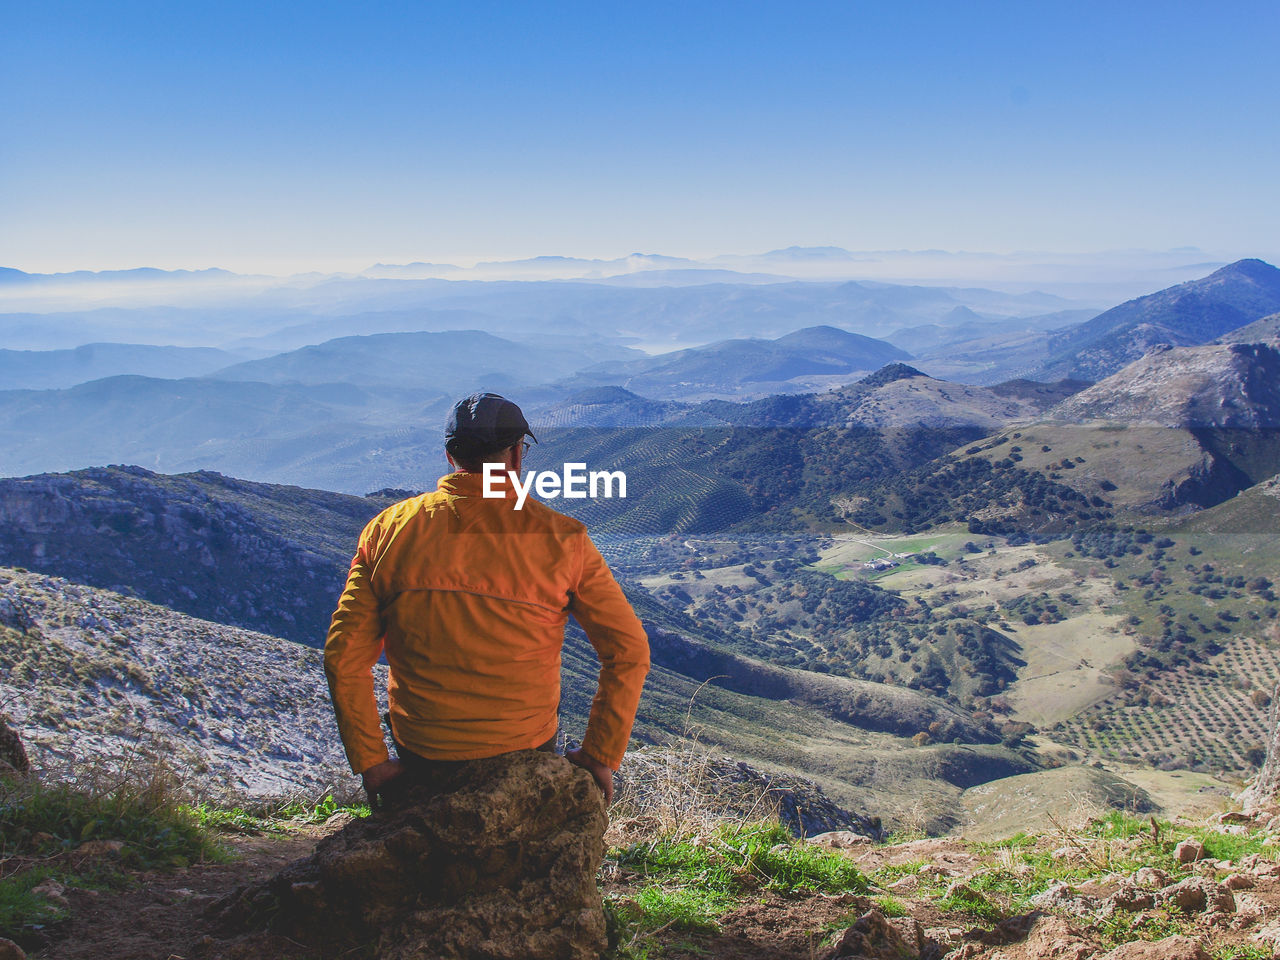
(464, 484)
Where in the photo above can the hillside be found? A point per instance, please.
(744, 369)
(235, 552)
(1235, 386)
(258, 556)
(451, 362)
(1184, 315)
(1268, 328)
(52, 369)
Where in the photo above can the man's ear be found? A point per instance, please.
(514, 457)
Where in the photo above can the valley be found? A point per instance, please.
(943, 603)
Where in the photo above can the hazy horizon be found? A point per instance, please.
(247, 137)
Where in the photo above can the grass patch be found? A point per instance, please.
(38, 819)
(734, 858)
(688, 881)
(272, 817)
(891, 906)
(21, 910)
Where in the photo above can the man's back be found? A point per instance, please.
(471, 597)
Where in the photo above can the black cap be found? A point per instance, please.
(486, 422)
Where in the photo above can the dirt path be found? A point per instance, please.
(159, 915)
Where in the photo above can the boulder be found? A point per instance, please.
(497, 861)
(10, 950)
(13, 756)
(1170, 948)
(875, 937)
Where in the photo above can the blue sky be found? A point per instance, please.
(330, 135)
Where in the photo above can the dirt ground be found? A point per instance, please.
(161, 915)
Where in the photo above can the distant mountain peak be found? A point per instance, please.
(891, 372)
(811, 253)
(1250, 267)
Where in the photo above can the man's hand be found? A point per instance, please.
(377, 777)
(603, 775)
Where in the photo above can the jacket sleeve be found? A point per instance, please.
(350, 651)
(613, 628)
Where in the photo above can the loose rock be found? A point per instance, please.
(1170, 948)
(873, 937)
(1189, 851)
(13, 756)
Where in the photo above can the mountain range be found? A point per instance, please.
(1188, 314)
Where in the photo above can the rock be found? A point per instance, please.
(873, 937)
(13, 756)
(1152, 877)
(1250, 908)
(961, 890)
(53, 892)
(840, 840)
(337, 821)
(1270, 935)
(496, 860)
(103, 849)
(1039, 936)
(1239, 881)
(1189, 851)
(1170, 948)
(10, 950)
(1131, 898)
(1063, 898)
(1199, 894)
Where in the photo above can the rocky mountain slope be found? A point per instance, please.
(1187, 314)
(1233, 386)
(94, 674)
(1268, 328)
(253, 555)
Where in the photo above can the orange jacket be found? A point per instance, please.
(470, 598)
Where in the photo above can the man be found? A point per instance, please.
(469, 597)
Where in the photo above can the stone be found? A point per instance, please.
(1151, 877)
(1189, 851)
(874, 937)
(1199, 895)
(13, 756)
(1170, 948)
(1131, 898)
(496, 860)
(10, 950)
(840, 840)
(1250, 908)
(1239, 881)
(1042, 937)
(53, 892)
(1063, 898)
(103, 849)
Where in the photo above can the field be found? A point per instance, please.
(1148, 651)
